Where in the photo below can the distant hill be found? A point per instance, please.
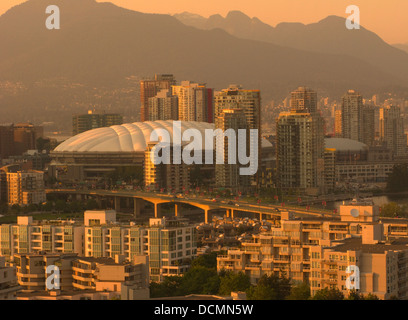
(402, 46)
(326, 36)
(102, 42)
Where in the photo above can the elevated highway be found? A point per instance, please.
(207, 205)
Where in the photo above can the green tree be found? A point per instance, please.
(391, 209)
(75, 206)
(171, 286)
(234, 282)
(354, 295)
(328, 294)
(15, 208)
(371, 296)
(200, 280)
(261, 292)
(47, 206)
(32, 207)
(300, 291)
(4, 208)
(60, 205)
(398, 179)
(91, 204)
(206, 260)
(270, 288)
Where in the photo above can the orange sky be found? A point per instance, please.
(387, 18)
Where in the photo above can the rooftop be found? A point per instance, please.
(355, 244)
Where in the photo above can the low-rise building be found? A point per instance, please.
(28, 236)
(79, 275)
(8, 281)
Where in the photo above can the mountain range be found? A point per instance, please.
(402, 46)
(100, 44)
(328, 36)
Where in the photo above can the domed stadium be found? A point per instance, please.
(99, 152)
(126, 138)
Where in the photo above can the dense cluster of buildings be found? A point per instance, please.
(101, 258)
(15, 139)
(319, 252)
(169, 244)
(21, 187)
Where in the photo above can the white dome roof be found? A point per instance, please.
(130, 137)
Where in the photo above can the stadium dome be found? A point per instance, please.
(130, 137)
(345, 145)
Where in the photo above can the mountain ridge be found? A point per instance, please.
(329, 35)
(100, 44)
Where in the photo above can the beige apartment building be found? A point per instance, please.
(382, 265)
(285, 249)
(28, 236)
(25, 187)
(80, 274)
(195, 101)
(31, 269)
(319, 252)
(164, 106)
(170, 244)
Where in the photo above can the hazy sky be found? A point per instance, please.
(387, 18)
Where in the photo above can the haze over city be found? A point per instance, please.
(243, 151)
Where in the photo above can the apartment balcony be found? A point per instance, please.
(231, 268)
(281, 268)
(82, 286)
(280, 260)
(80, 270)
(30, 275)
(281, 244)
(338, 230)
(311, 243)
(311, 228)
(81, 278)
(330, 281)
(32, 283)
(251, 250)
(252, 267)
(329, 271)
(267, 267)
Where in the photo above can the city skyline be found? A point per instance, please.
(388, 21)
(197, 157)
